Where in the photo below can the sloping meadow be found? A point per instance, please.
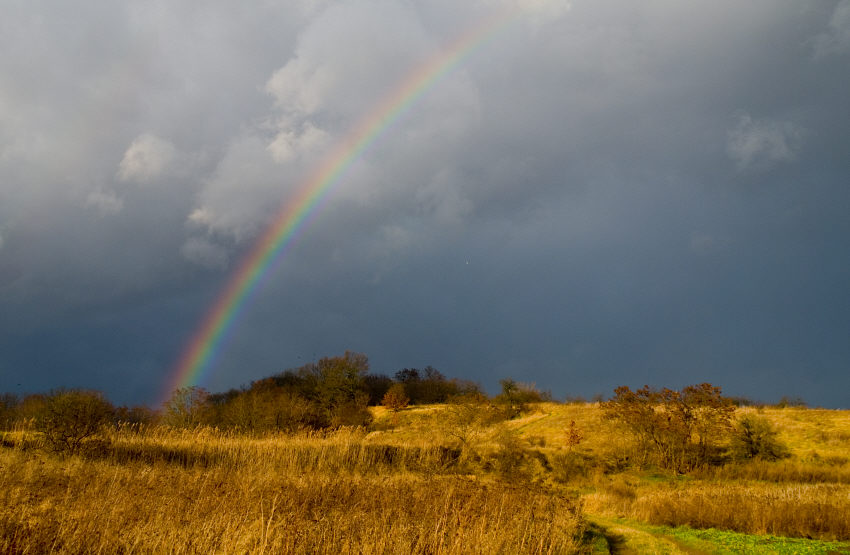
(423, 480)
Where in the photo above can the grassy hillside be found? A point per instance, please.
(805, 495)
(426, 479)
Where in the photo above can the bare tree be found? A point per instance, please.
(70, 416)
(188, 407)
(680, 430)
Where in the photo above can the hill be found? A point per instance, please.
(446, 478)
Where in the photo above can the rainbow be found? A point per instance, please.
(200, 353)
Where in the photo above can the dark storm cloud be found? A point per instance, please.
(606, 193)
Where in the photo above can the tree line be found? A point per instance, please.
(332, 392)
(678, 430)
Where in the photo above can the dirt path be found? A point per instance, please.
(627, 540)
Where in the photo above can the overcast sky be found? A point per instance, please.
(605, 193)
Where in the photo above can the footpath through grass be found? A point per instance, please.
(629, 536)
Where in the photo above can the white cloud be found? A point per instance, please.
(205, 253)
(201, 217)
(105, 202)
(246, 188)
(289, 144)
(300, 86)
(836, 40)
(147, 157)
(760, 144)
(348, 58)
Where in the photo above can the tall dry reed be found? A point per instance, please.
(249, 500)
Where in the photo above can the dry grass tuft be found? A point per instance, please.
(830, 470)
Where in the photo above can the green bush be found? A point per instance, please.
(516, 396)
(570, 466)
(791, 402)
(511, 457)
(755, 438)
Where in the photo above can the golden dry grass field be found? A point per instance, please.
(422, 480)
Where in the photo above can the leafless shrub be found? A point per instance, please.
(70, 417)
